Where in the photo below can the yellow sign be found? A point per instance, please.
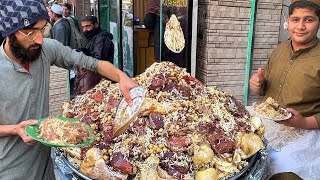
(175, 3)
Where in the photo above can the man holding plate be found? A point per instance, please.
(25, 60)
(292, 78)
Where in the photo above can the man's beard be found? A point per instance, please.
(25, 55)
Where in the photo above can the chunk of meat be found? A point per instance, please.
(120, 164)
(70, 115)
(185, 91)
(174, 172)
(155, 120)
(191, 81)
(157, 82)
(221, 144)
(179, 140)
(98, 97)
(224, 146)
(107, 131)
(206, 128)
(112, 103)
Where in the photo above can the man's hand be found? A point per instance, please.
(256, 82)
(298, 121)
(125, 84)
(21, 132)
(108, 70)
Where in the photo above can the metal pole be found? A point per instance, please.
(249, 52)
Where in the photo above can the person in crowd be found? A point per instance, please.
(47, 31)
(25, 60)
(51, 2)
(67, 9)
(152, 21)
(61, 28)
(100, 46)
(99, 41)
(292, 78)
(61, 31)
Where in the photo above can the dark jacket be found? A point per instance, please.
(100, 44)
(152, 21)
(61, 31)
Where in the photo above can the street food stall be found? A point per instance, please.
(134, 43)
(183, 129)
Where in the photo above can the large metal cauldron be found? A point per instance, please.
(255, 169)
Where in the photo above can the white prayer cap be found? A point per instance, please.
(56, 8)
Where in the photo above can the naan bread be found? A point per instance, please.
(173, 35)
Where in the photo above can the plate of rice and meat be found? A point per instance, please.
(271, 110)
(61, 132)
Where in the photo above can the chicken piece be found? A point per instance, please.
(250, 144)
(203, 154)
(94, 166)
(208, 174)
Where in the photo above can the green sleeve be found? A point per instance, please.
(76, 23)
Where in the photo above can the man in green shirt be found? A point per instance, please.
(67, 8)
(25, 60)
(292, 75)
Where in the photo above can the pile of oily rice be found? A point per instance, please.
(184, 130)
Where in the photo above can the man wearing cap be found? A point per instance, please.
(292, 78)
(25, 60)
(61, 28)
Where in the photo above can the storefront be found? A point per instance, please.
(234, 39)
(216, 34)
(135, 44)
